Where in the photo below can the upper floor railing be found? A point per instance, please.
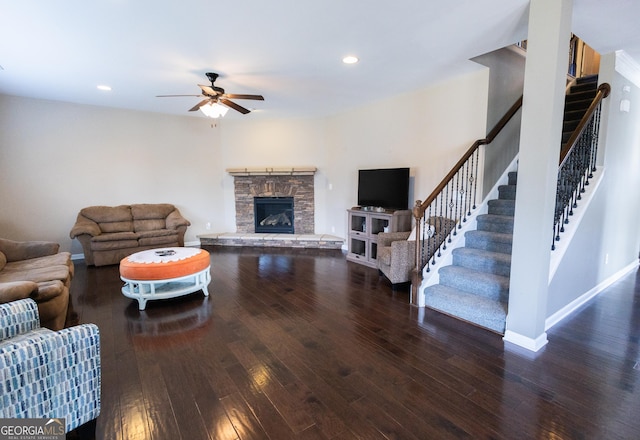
(577, 163)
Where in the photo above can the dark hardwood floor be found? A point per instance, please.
(301, 344)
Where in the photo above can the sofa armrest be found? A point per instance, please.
(18, 317)
(81, 349)
(403, 254)
(15, 290)
(386, 238)
(174, 220)
(25, 250)
(84, 225)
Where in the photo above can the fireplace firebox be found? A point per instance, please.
(273, 214)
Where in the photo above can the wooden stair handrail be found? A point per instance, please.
(603, 91)
(419, 209)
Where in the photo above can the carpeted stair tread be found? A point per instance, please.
(489, 241)
(469, 307)
(481, 260)
(492, 286)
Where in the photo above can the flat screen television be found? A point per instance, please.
(384, 188)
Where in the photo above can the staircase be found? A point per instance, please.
(475, 287)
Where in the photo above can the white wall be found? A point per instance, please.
(506, 82)
(428, 131)
(56, 158)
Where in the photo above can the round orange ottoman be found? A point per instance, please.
(165, 273)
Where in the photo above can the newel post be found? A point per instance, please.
(416, 274)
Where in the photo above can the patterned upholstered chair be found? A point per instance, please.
(397, 250)
(45, 373)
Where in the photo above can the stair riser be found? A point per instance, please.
(487, 244)
(508, 211)
(507, 192)
(577, 105)
(581, 95)
(482, 264)
(492, 226)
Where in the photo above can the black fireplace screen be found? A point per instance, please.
(273, 214)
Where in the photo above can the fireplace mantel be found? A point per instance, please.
(292, 171)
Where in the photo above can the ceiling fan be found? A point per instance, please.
(216, 95)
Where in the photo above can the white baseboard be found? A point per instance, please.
(576, 303)
(525, 341)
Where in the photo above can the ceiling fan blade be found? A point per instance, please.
(173, 96)
(236, 96)
(198, 105)
(208, 90)
(234, 106)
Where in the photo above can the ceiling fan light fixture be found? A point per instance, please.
(214, 110)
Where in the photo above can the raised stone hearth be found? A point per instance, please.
(308, 241)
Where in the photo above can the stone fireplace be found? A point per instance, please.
(295, 184)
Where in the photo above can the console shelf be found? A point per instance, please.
(364, 227)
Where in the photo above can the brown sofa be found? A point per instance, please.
(110, 233)
(35, 269)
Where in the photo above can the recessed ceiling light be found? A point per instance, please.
(104, 88)
(350, 59)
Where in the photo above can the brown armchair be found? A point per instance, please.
(396, 250)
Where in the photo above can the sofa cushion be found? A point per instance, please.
(149, 224)
(159, 241)
(107, 214)
(149, 211)
(157, 233)
(37, 275)
(110, 218)
(3, 260)
(109, 227)
(112, 245)
(114, 236)
(62, 258)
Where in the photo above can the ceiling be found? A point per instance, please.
(290, 51)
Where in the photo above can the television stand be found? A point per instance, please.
(364, 226)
